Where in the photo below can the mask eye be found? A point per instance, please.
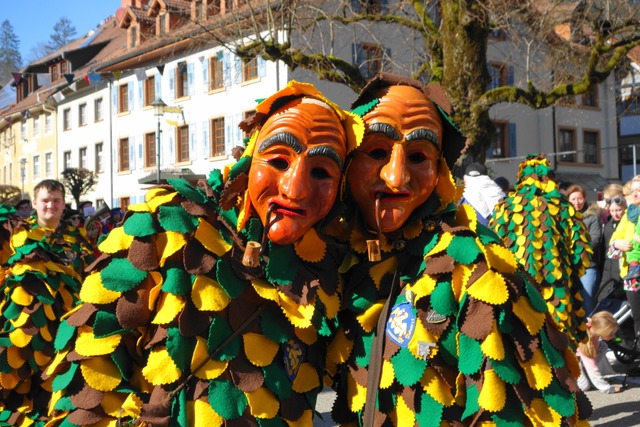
(378, 153)
(279, 163)
(320, 173)
(417, 157)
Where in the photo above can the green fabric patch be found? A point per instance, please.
(121, 276)
(362, 298)
(430, 412)
(463, 249)
(62, 380)
(226, 400)
(123, 361)
(64, 334)
(179, 409)
(186, 190)
(448, 346)
(64, 404)
(216, 180)
(140, 224)
(276, 380)
(273, 422)
(561, 400)
(39, 318)
(407, 368)
(281, 268)
(275, 326)
(227, 279)
(487, 235)
(106, 324)
(254, 229)
(535, 298)
(470, 355)
(511, 415)
(361, 349)
(175, 218)
(219, 331)
(555, 358)
(12, 311)
(363, 109)
(240, 167)
(471, 406)
(177, 281)
(507, 369)
(442, 299)
(180, 348)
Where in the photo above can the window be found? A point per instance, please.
(591, 142)
(48, 165)
(123, 146)
(23, 130)
(150, 153)
(216, 79)
(567, 145)
(149, 90)
(124, 203)
(162, 24)
(133, 31)
(47, 123)
(82, 115)
(591, 99)
(498, 73)
(228, 5)
(66, 160)
(367, 6)
(82, 158)
(66, 119)
(36, 125)
(245, 116)
(99, 158)
(182, 80)
(250, 70)
(500, 143)
(64, 67)
(123, 98)
(197, 15)
(213, 7)
(217, 137)
(369, 59)
(182, 149)
(36, 167)
(98, 113)
(54, 73)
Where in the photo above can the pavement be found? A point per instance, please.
(609, 410)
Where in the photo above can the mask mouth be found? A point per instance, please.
(285, 210)
(388, 195)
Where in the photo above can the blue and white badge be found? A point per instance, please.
(401, 324)
(293, 353)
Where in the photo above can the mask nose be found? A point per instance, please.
(395, 173)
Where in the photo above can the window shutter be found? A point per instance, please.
(140, 140)
(172, 81)
(512, 140)
(115, 99)
(206, 147)
(205, 75)
(226, 67)
(192, 142)
(140, 84)
(190, 78)
(355, 4)
(237, 140)
(237, 69)
(158, 82)
(172, 151)
(130, 93)
(132, 153)
(228, 134)
(262, 67)
(510, 76)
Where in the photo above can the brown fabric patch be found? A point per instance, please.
(524, 393)
(439, 264)
(196, 258)
(143, 254)
(83, 417)
(566, 379)
(293, 407)
(200, 388)
(73, 356)
(87, 398)
(423, 307)
(585, 409)
(132, 309)
(558, 340)
(458, 229)
(359, 374)
(157, 411)
(390, 348)
(480, 268)
(30, 329)
(239, 311)
(478, 319)
(100, 259)
(204, 185)
(196, 209)
(158, 336)
(410, 396)
(232, 190)
(445, 372)
(192, 321)
(241, 422)
(245, 376)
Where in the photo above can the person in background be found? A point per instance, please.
(481, 192)
(86, 209)
(591, 217)
(73, 218)
(503, 183)
(609, 192)
(628, 192)
(602, 326)
(24, 208)
(617, 206)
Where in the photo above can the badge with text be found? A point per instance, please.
(293, 353)
(401, 324)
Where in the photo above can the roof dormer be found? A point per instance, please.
(138, 24)
(169, 14)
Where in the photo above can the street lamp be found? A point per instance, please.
(158, 107)
(23, 172)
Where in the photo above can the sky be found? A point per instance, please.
(33, 20)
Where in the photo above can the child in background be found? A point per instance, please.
(601, 327)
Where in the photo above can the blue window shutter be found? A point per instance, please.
(226, 67)
(495, 77)
(512, 140)
(206, 147)
(140, 162)
(132, 153)
(158, 82)
(205, 74)
(355, 4)
(172, 152)
(172, 81)
(192, 142)
(510, 76)
(237, 140)
(237, 70)
(115, 99)
(130, 93)
(262, 67)
(140, 84)
(190, 78)
(228, 133)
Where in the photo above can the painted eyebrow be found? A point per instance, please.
(385, 129)
(427, 134)
(325, 150)
(284, 138)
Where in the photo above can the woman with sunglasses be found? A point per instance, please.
(616, 205)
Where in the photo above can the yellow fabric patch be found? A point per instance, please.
(200, 414)
(339, 347)
(533, 320)
(265, 290)
(19, 238)
(438, 389)
(572, 362)
(492, 346)
(298, 314)
(100, 373)
(19, 338)
(159, 196)
(160, 368)
(21, 320)
(493, 395)
(168, 243)
(117, 240)
(421, 334)
(48, 311)
(369, 318)
(423, 286)
(21, 297)
(212, 369)
(306, 335)
(92, 290)
(169, 307)
(387, 375)
(139, 207)
(404, 414)
(490, 288)
(207, 295)
(156, 289)
(443, 243)
(211, 238)
(88, 345)
(306, 379)
(500, 258)
(310, 247)
(542, 414)
(116, 405)
(44, 332)
(259, 349)
(59, 357)
(356, 394)
(460, 277)
(377, 271)
(305, 420)
(331, 303)
(263, 403)
(537, 370)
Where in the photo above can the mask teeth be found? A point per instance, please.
(373, 246)
(253, 251)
